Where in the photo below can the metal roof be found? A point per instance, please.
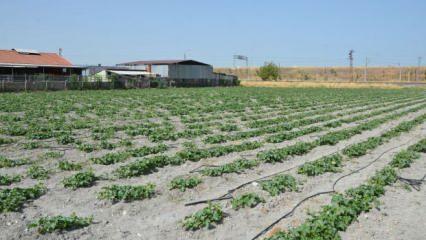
(164, 62)
(131, 73)
(14, 57)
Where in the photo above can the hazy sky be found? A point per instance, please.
(289, 33)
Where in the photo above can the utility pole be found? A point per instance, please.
(351, 63)
(419, 62)
(365, 70)
(400, 72)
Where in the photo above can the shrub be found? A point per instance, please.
(50, 224)
(206, 218)
(127, 193)
(79, 180)
(246, 200)
(269, 71)
(182, 183)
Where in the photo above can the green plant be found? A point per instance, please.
(65, 138)
(183, 183)
(229, 128)
(69, 166)
(205, 218)
(6, 141)
(53, 154)
(360, 149)
(8, 179)
(7, 163)
(31, 145)
(111, 158)
(127, 193)
(419, 147)
(146, 166)
(50, 224)
(79, 180)
(325, 164)
(279, 184)
(12, 200)
(404, 159)
(269, 71)
(233, 167)
(246, 200)
(343, 210)
(86, 147)
(37, 172)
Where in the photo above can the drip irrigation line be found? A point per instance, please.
(325, 192)
(366, 166)
(414, 183)
(228, 195)
(288, 214)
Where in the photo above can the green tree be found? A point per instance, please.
(269, 71)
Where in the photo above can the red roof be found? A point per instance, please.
(42, 59)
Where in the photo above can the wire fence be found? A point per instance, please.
(16, 83)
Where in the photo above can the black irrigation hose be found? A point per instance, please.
(325, 192)
(228, 195)
(414, 183)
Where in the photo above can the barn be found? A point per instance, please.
(20, 64)
(174, 69)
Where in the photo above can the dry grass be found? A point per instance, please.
(318, 84)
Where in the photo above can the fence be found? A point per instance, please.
(15, 83)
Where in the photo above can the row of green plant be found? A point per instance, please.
(8, 163)
(182, 183)
(127, 193)
(111, 158)
(236, 166)
(13, 200)
(346, 207)
(361, 148)
(60, 223)
(342, 106)
(330, 163)
(6, 180)
(220, 138)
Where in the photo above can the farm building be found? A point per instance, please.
(106, 73)
(20, 64)
(174, 69)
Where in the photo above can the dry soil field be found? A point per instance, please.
(213, 163)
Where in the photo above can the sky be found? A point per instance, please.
(287, 32)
